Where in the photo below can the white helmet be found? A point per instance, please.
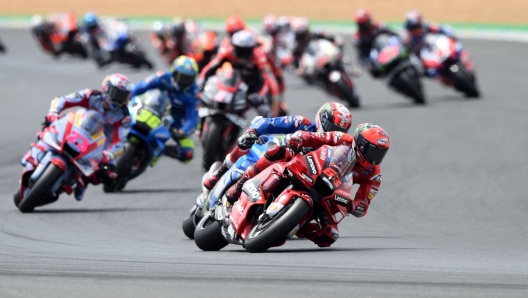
(244, 42)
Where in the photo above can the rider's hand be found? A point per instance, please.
(177, 134)
(249, 138)
(295, 142)
(51, 116)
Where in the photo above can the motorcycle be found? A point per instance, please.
(446, 58)
(279, 200)
(149, 132)
(222, 111)
(204, 46)
(65, 36)
(322, 64)
(391, 61)
(118, 44)
(69, 150)
(206, 201)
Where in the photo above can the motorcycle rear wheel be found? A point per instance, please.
(40, 188)
(348, 93)
(463, 81)
(409, 86)
(264, 235)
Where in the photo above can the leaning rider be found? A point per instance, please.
(331, 116)
(180, 87)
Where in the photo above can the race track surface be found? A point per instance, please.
(450, 219)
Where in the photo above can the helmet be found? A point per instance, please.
(178, 29)
(158, 28)
(270, 24)
(244, 42)
(116, 90)
(283, 23)
(300, 26)
(372, 143)
(333, 116)
(414, 23)
(38, 26)
(90, 20)
(234, 24)
(184, 70)
(363, 20)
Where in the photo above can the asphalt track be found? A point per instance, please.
(450, 219)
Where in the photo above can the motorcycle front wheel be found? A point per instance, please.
(410, 85)
(40, 188)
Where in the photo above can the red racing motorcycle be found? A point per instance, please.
(281, 199)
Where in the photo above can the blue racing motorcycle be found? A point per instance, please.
(150, 129)
(207, 200)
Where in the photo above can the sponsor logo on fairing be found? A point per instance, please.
(340, 200)
(322, 155)
(311, 164)
(306, 177)
(239, 208)
(252, 190)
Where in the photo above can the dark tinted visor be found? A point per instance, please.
(242, 52)
(330, 126)
(117, 96)
(364, 27)
(183, 80)
(372, 153)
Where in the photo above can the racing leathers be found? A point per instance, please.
(362, 41)
(254, 71)
(324, 233)
(183, 111)
(415, 41)
(116, 128)
(258, 127)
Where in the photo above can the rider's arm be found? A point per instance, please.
(280, 125)
(77, 99)
(318, 139)
(214, 64)
(368, 188)
(151, 82)
(191, 114)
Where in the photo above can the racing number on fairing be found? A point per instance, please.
(333, 174)
(148, 118)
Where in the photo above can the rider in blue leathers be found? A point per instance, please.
(179, 85)
(330, 117)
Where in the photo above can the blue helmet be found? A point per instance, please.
(184, 70)
(90, 20)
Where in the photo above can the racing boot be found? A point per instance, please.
(210, 182)
(78, 193)
(233, 193)
(172, 151)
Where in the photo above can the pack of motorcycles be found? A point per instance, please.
(275, 203)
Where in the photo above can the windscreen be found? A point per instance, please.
(157, 101)
(342, 157)
(92, 122)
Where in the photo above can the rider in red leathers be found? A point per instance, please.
(233, 24)
(363, 38)
(371, 143)
(249, 60)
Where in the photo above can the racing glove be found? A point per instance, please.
(177, 134)
(107, 157)
(249, 138)
(295, 142)
(50, 117)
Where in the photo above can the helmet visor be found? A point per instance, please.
(117, 96)
(329, 125)
(243, 52)
(364, 27)
(183, 80)
(371, 152)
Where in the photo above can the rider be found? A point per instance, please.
(179, 85)
(271, 27)
(362, 40)
(179, 44)
(45, 30)
(416, 30)
(93, 32)
(249, 60)
(233, 24)
(370, 142)
(303, 36)
(111, 103)
(159, 37)
(331, 116)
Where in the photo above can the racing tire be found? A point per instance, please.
(208, 235)
(348, 93)
(211, 141)
(410, 86)
(40, 188)
(138, 59)
(122, 169)
(463, 80)
(16, 197)
(268, 233)
(189, 223)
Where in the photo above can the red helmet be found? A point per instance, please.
(372, 143)
(234, 24)
(333, 116)
(363, 20)
(270, 24)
